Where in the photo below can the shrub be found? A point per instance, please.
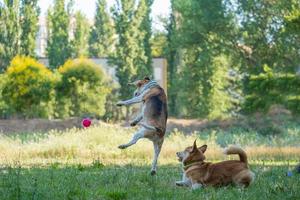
(29, 88)
(82, 89)
(269, 88)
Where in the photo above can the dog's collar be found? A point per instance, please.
(149, 85)
(185, 167)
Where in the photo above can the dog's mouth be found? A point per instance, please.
(179, 157)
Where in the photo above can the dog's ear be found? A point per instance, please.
(146, 78)
(202, 148)
(194, 146)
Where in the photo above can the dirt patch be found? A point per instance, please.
(37, 125)
(265, 124)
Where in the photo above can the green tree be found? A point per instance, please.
(29, 14)
(58, 42)
(203, 32)
(158, 43)
(10, 32)
(144, 63)
(130, 56)
(101, 36)
(265, 35)
(125, 47)
(81, 34)
(172, 54)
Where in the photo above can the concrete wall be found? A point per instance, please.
(159, 69)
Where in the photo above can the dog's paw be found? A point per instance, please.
(133, 123)
(120, 103)
(178, 183)
(153, 172)
(122, 146)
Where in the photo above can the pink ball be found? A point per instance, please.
(86, 122)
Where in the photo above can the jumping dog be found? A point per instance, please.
(153, 115)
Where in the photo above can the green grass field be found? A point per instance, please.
(86, 164)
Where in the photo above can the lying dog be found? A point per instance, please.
(198, 173)
(153, 116)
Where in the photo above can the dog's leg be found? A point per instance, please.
(133, 100)
(149, 127)
(157, 147)
(137, 119)
(138, 135)
(196, 186)
(184, 182)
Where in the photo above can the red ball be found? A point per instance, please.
(86, 122)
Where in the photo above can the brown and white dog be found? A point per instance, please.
(199, 173)
(153, 116)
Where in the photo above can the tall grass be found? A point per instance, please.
(100, 143)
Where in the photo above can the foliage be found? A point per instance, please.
(269, 88)
(203, 58)
(144, 64)
(130, 57)
(4, 108)
(10, 32)
(101, 35)
(158, 44)
(58, 42)
(173, 56)
(82, 89)
(29, 16)
(29, 88)
(268, 35)
(248, 34)
(80, 41)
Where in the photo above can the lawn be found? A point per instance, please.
(86, 164)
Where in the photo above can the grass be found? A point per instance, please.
(86, 164)
(134, 182)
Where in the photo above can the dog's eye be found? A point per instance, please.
(136, 94)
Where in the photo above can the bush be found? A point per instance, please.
(267, 89)
(82, 89)
(29, 88)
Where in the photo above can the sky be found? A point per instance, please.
(159, 7)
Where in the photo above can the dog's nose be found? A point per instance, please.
(177, 153)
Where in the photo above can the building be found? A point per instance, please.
(159, 64)
(159, 69)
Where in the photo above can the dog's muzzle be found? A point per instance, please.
(179, 156)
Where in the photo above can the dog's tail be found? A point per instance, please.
(237, 150)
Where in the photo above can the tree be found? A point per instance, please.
(10, 32)
(172, 55)
(144, 63)
(198, 47)
(101, 36)
(81, 34)
(265, 35)
(125, 48)
(58, 42)
(29, 24)
(130, 55)
(158, 43)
